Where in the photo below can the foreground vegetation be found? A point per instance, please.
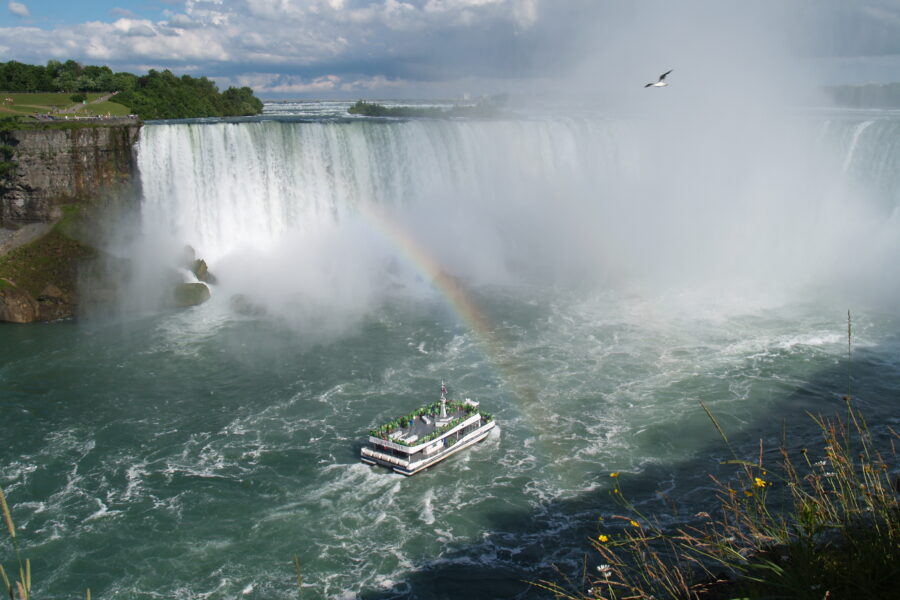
(821, 525)
(74, 88)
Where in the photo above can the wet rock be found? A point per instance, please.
(201, 272)
(54, 304)
(17, 305)
(190, 294)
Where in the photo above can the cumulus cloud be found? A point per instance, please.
(353, 46)
(135, 28)
(18, 9)
(182, 21)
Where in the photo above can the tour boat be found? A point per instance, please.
(427, 436)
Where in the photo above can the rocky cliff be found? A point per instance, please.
(65, 187)
(61, 166)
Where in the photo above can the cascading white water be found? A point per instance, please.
(225, 187)
(683, 202)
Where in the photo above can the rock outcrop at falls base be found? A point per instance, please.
(39, 279)
(65, 195)
(16, 305)
(57, 200)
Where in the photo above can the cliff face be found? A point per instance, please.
(62, 166)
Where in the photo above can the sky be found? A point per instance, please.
(447, 48)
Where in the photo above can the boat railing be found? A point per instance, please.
(407, 449)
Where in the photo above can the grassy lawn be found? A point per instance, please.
(27, 103)
(103, 108)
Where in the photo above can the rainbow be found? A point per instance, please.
(512, 376)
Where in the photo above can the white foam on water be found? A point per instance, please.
(427, 514)
(102, 511)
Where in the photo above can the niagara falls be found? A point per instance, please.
(657, 290)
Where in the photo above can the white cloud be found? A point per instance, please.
(135, 28)
(291, 85)
(378, 44)
(18, 9)
(378, 82)
(394, 39)
(182, 21)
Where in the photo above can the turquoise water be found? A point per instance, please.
(188, 455)
(192, 454)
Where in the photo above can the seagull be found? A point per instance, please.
(661, 82)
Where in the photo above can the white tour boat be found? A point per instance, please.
(429, 435)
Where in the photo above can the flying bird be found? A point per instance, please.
(661, 82)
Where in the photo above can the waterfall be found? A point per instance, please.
(229, 186)
(689, 202)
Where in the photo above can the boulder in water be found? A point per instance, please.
(17, 305)
(190, 294)
(201, 272)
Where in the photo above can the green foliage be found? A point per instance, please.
(56, 76)
(7, 149)
(240, 102)
(432, 410)
(368, 109)
(162, 95)
(489, 107)
(156, 95)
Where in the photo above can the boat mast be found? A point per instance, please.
(443, 400)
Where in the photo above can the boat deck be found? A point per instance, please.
(427, 438)
(423, 426)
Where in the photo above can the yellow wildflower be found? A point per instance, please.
(616, 474)
(635, 524)
(759, 482)
(603, 538)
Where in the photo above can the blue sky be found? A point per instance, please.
(51, 13)
(444, 48)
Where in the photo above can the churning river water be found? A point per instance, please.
(585, 280)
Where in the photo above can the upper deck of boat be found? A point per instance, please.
(425, 425)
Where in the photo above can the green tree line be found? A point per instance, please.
(156, 95)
